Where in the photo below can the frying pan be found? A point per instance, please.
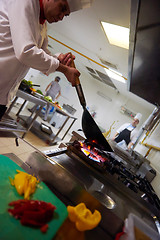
(89, 126)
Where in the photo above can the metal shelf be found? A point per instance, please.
(7, 124)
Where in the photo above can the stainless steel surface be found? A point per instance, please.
(104, 199)
(26, 97)
(9, 125)
(30, 121)
(14, 158)
(67, 187)
(30, 98)
(76, 182)
(130, 157)
(135, 161)
(8, 122)
(157, 223)
(144, 52)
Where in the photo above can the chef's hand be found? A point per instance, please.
(65, 59)
(71, 74)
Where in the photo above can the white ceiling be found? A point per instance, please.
(82, 31)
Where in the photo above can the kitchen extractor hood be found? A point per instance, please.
(144, 50)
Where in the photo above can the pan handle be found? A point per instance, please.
(78, 86)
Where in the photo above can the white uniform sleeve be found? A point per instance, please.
(24, 26)
(134, 135)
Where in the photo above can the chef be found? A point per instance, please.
(126, 135)
(54, 91)
(23, 42)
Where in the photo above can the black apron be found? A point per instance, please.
(124, 135)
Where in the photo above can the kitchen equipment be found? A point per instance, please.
(11, 228)
(26, 88)
(46, 129)
(109, 180)
(157, 223)
(111, 167)
(89, 126)
(136, 228)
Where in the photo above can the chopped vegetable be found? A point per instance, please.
(84, 219)
(48, 98)
(33, 89)
(24, 183)
(29, 83)
(39, 91)
(32, 213)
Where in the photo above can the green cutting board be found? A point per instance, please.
(10, 228)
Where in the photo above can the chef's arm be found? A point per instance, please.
(116, 134)
(48, 87)
(25, 45)
(130, 145)
(70, 73)
(58, 95)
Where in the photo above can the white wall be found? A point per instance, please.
(106, 111)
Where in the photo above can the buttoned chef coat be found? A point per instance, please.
(133, 135)
(23, 45)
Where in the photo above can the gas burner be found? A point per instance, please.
(93, 152)
(108, 163)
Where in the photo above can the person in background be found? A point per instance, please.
(54, 91)
(24, 42)
(125, 136)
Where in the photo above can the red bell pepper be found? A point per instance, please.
(33, 213)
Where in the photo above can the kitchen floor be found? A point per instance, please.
(27, 145)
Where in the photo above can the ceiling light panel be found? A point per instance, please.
(108, 63)
(117, 35)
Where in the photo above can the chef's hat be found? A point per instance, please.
(76, 5)
(138, 116)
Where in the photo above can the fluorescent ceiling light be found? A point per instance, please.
(116, 35)
(115, 75)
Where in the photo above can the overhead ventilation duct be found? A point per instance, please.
(100, 77)
(108, 63)
(91, 70)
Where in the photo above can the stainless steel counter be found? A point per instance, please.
(7, 124)
(35, 126)
(73, 182)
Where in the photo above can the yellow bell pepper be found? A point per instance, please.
(84, 219)
(24, 183)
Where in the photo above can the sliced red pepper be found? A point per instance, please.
(32, 212)
(44, 228)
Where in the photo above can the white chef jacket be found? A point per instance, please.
(133, 130)
(23, 44)
(133, 135)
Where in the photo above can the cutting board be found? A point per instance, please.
(10, 228)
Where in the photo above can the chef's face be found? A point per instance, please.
(55, 10)
(135, 122)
